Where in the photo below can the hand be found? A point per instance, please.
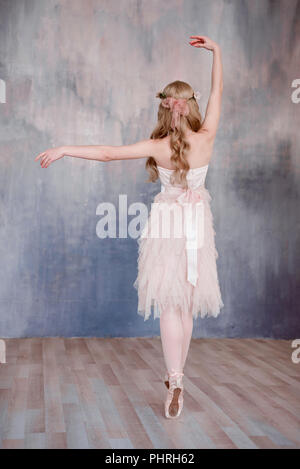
(49, 156)
(204, 42)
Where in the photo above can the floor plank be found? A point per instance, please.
(82, 393)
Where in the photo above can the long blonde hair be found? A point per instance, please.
(178, 142)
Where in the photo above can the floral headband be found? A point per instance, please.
(178, 107)
(196, 95)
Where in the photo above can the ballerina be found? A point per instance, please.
(177, 276)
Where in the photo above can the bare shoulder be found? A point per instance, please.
(206, 135)
(204, 144)
(161, 147)
(205, 140)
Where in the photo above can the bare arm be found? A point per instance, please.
(213, 110)
(104, 153)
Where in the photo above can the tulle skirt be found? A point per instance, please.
(162, 279)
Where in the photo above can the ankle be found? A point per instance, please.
(173, 372)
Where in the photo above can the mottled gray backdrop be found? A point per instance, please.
(86, 72)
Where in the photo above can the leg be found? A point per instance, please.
(187, 325)
(171, 333)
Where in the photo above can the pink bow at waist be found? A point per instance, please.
(189, 196)
(191, 199)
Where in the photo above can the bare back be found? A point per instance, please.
(201, 147)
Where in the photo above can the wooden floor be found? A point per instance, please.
(108, 393)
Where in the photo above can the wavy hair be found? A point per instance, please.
(178, 141)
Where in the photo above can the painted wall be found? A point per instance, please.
(86, 72)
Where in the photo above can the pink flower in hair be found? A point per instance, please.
(178, 107)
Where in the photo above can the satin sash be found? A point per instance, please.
(193, 209)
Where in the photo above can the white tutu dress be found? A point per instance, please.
(176, 251)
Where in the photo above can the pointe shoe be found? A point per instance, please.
(174, 400)
(166, 380)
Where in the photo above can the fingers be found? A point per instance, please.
(199, 41)
(196, 44)
(39, 156)
(45, 161)
(199, 38)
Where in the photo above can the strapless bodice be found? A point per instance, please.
(195, 177)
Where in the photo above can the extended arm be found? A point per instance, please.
(213, 110)
(141, 149)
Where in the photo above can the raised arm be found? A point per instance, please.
(141, 149)
(213, 110)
